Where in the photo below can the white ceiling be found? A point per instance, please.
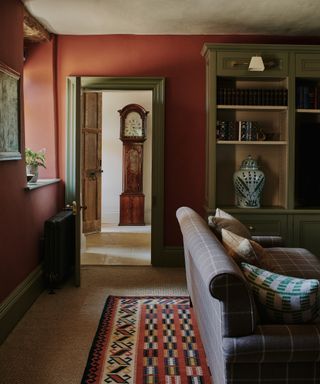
(269, 17)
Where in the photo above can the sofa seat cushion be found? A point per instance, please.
(222, 219)
(297, 262)
(283, 299)
(275, 343)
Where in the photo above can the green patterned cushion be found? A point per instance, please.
(283, 299)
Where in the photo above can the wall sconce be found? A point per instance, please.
(256, 64)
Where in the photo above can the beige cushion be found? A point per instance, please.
(225, 220)
(245, 250)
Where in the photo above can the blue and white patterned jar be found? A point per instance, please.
(248, 184)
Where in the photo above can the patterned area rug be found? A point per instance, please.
(147, 340)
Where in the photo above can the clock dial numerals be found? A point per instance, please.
(133, 124)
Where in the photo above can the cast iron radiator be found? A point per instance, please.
(59, 248)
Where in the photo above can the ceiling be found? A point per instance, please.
(183, 17)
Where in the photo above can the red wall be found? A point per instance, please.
(39, 101)
(22, 212)
(178, 59)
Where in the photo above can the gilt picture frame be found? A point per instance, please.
(9, 114)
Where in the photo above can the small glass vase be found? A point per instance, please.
(248, 184)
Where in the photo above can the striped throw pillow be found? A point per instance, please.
(283, 299)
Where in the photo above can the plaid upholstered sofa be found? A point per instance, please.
(239, 347)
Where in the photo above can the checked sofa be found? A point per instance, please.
(240, 347)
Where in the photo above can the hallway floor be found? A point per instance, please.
(118, 245)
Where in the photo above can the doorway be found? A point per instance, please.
(108, 243)
(75, 85)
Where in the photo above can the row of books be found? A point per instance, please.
(234, 96)
(239, 130)
(308, 97)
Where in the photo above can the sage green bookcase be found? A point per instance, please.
(284, 101)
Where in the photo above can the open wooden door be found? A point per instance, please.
(91, 131)
(73, 153)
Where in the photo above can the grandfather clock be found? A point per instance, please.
(132, 134)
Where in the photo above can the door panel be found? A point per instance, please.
(91, 160)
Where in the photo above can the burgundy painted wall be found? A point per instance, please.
(22, 212)
(178, 59)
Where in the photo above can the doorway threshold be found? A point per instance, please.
(118, 245)
(125, 228)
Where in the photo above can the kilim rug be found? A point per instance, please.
(147, 340)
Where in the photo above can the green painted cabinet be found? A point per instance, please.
(265, 224)
(284, 102)
(306, 232)
(307, 64)
(235, 63)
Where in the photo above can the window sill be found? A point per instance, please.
(41, 183)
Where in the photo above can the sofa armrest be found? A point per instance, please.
(237, 305)
(269, 241)
(275, 343)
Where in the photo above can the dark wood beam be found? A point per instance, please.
(34, 31)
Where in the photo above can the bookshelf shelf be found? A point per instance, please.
(239, 142)
(301, 110)
(254, 107)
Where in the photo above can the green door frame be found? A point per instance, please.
(157, 86)
(72, 174)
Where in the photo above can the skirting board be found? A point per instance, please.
(19, 301)
(170, 257)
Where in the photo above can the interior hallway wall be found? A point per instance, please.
(112, 101)
(39, 104)
(22, 212)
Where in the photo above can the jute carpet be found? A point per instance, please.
(50, 345)
(147, 340)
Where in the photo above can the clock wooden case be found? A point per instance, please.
(133, 134)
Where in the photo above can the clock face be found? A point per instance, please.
(133, 124)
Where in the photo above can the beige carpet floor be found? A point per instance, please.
(50, 345)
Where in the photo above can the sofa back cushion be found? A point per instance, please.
(223, 220)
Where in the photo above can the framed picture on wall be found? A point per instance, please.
(9, 114)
